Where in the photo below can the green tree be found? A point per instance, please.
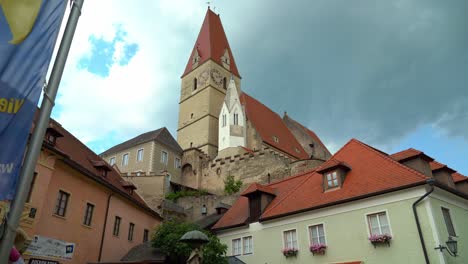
(231, 185)
(168, 234)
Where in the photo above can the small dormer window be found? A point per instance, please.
(51, 139)
(51, 135)
(276, 139)
(332, 179)
(297, 150)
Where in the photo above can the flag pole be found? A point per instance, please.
(35, 145)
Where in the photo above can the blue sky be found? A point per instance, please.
(389, 73)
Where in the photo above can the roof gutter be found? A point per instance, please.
(104, 227)
(421, 238)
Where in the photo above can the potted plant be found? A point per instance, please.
(289, 252)
(318, 248)
(380, 239)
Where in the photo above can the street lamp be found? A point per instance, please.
(452, 247)
(195, 239)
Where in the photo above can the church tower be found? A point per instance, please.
(204, 85)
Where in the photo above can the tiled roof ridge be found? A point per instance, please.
(405, 150)
(90, 151)
(289, 193)
(111, 149)
(389, 158)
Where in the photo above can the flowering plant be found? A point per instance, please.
(318, 248)
(288, 252)
(383, 238)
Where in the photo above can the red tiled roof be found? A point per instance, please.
(408, 153)
(238, 214)
(458, 177)
(435, 165)
(211, 43)
(404, 154)
(80, 155)
(372, 173)
(269, 125)
(254, 187)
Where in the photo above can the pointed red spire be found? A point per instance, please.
(211, 44)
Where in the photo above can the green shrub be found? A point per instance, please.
(167, 238)
(231, 185)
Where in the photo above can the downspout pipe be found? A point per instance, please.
(431, 186)
(104, 227)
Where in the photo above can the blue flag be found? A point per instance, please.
(28, 32)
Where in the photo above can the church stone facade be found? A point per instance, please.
(224, 131)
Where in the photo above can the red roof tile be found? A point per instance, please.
(331, 164)
(238, 213)
(80, 155)
(372, 172)
(255, 187)
(211, 43)
(458, 177)
(409, 153)
(269, 125)
(435, 165)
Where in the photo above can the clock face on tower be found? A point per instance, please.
(203, 78)
(216, 77)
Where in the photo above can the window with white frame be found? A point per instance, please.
(125, 160)
(290, 239)
(332, 179)
(236, 247)
(177, 163)
(164, 157)
(448, 222)
(248, 245)
(140, 155)
(378, 223)
(317, 234)
(112, 161)
(224, 120)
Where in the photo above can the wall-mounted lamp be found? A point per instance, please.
(452, 247)
(204, 210)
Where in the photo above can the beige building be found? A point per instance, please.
(150, 161)
(154, 152)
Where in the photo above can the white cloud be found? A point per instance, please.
(136, 97)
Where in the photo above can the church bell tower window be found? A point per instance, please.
(195, 84)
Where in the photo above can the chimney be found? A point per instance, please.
(260, 197)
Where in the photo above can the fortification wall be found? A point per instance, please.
(262, 166)
(192, 205)
(301, 166)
